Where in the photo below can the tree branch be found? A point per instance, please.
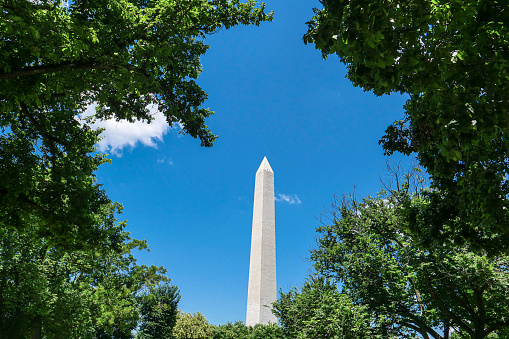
(421, 331)
(480, 306)
(49, 139)
(417, 294)
(24, 199)
(465, 304)
(496, 326)
(36, 70)
(422, 325)
(444, 309)
(446, 330)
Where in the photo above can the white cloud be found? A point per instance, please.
(165, 160)
(291, 199)
(120, 134)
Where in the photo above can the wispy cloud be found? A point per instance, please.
(120, 134)
(291, 199)
(165, 160)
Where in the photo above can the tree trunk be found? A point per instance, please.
(36, 329)
(446, 330)
(2, 283)
(478, 334)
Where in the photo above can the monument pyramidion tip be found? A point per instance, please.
(265, 165)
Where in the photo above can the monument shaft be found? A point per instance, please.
(262, 291)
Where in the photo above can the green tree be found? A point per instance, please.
(191, 326)
(56, 59)
(366, 248)
(319, 310)
(49, 293)
(239, 330)
(450, 57)
(460, 335)
(269, 331)
(230, 331)
(159, 312)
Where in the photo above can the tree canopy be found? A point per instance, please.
(46, 292)
(158, 311)
(239, 330)
(320, 310)
(450, 57)
(66, 264)
(191, 326)
(365, 247)
(57, 58)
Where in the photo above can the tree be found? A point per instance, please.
(49, 293)
(367, 248)
(191, 326)
(450, 58)
(239, 330)
(462, 335)
(319, 310)
(159, 312)
(57, 58)
(269, 331)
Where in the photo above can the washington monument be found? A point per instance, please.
(262, 291)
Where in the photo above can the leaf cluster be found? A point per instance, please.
(58, 58)
(72, 294)
(159, 313)
(191, 326)
(451, 58)
(239, 330)
(320, 310)
(365, 246)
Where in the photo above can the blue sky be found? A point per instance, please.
(275, 97)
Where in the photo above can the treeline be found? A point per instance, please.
(196, 326)
(373, 280)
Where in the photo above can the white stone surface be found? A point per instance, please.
(262, 291)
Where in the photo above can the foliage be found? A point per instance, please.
(319, 310)
(125, 56)
(66, 266)
(159, 312)
(191, 326)
(270, 331)
(451, 58)
(367, 249)
(462, 335)
(79, 294)
(230, 331)
(238, 330)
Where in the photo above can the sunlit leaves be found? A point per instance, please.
(450, 57)
(366, 248)
(71, 294)
(56, 59)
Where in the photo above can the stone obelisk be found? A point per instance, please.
(262, 291)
